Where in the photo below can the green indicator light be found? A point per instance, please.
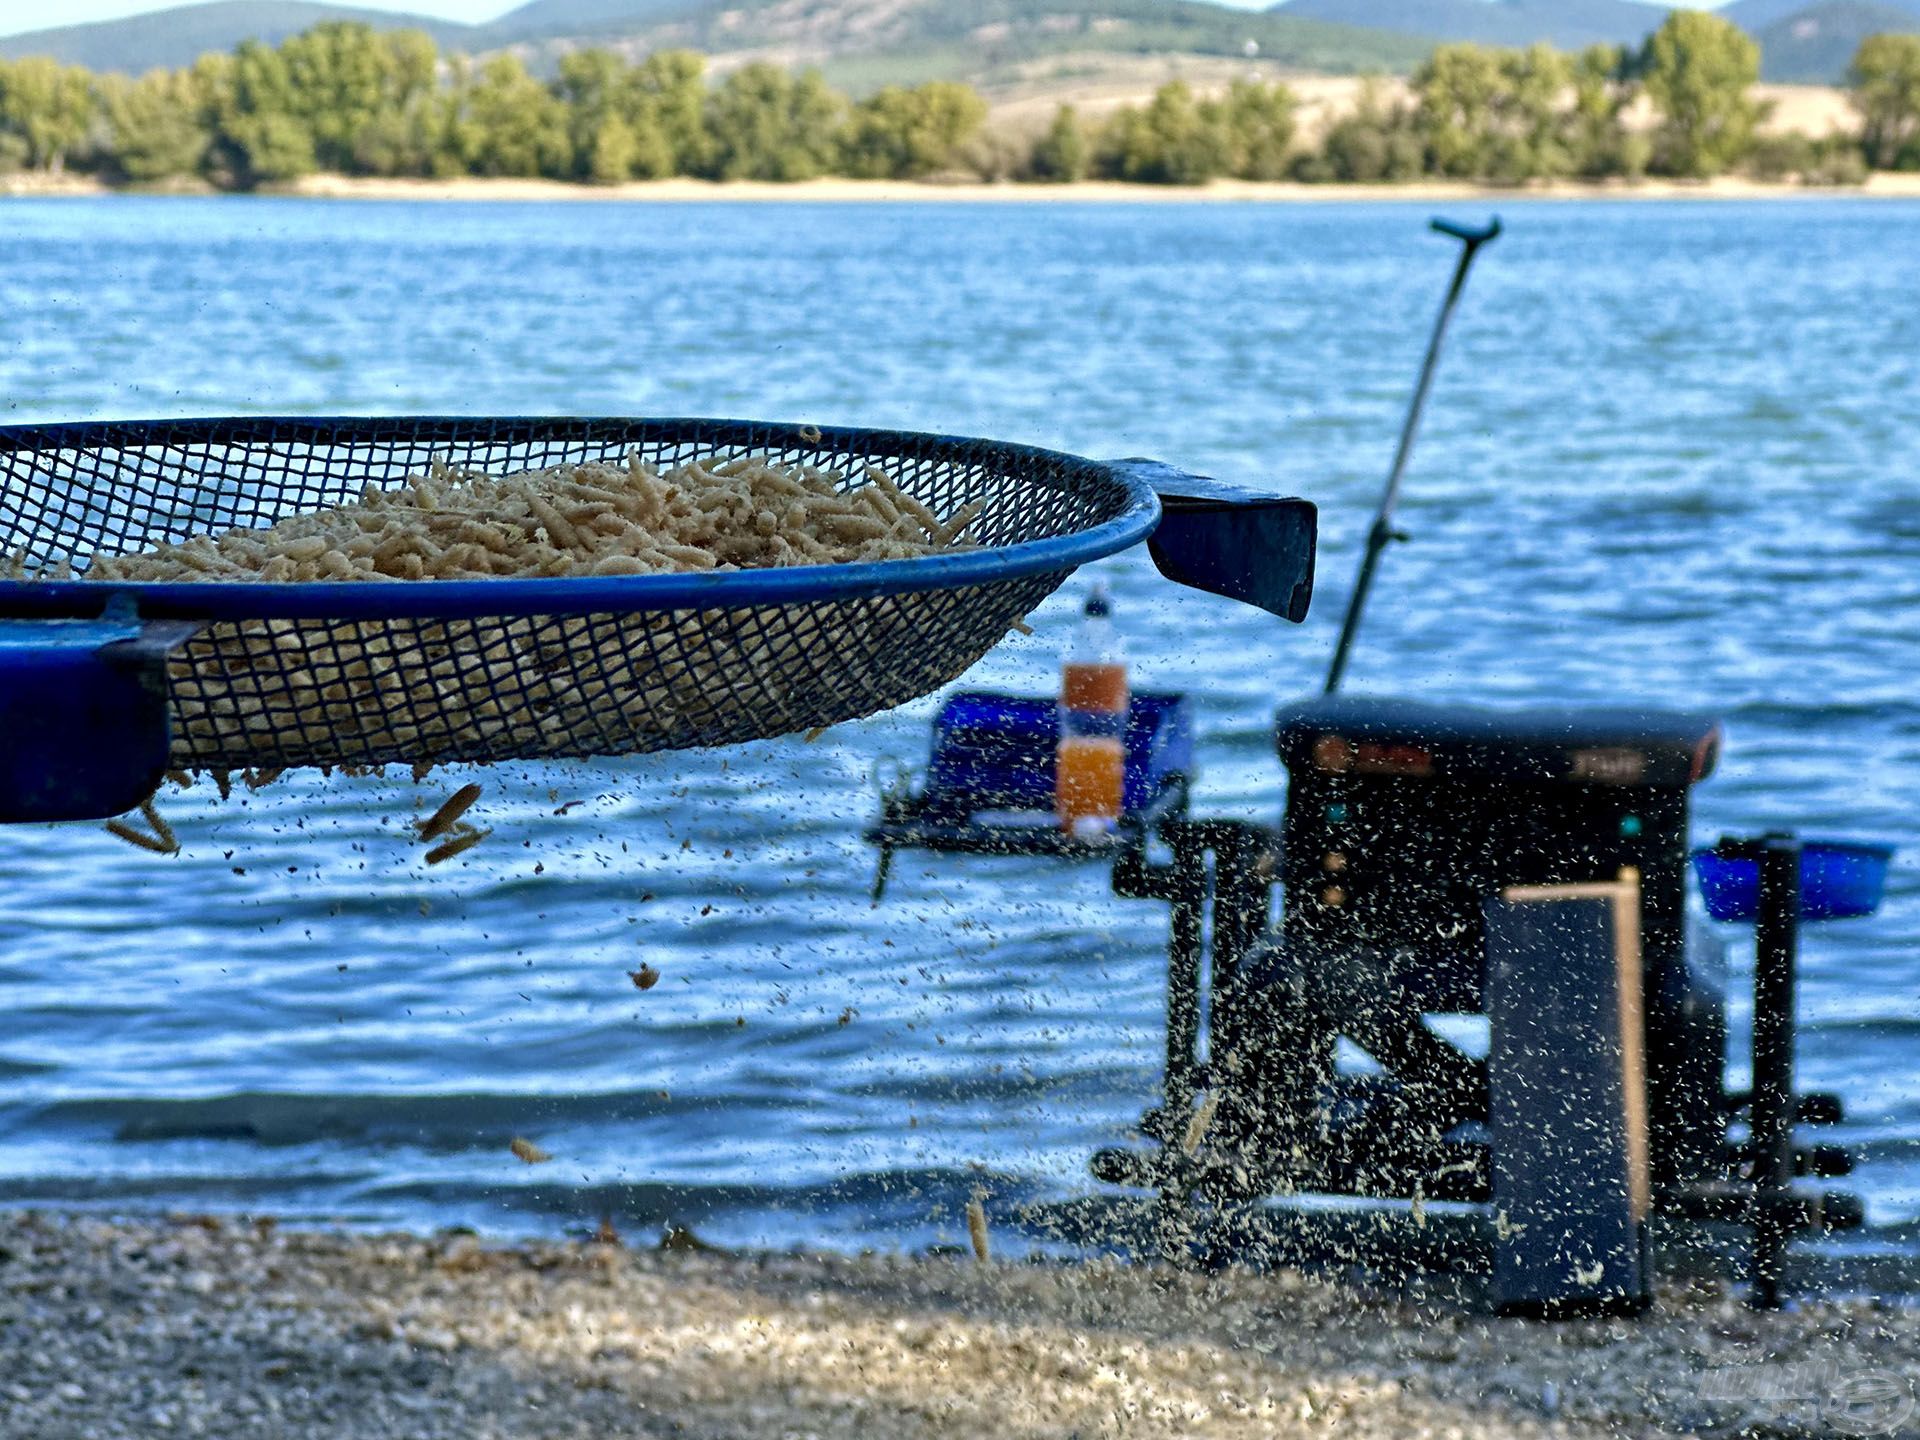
(1631, 827)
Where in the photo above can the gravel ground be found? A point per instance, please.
(197, 1327)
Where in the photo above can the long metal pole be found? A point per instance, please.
(1383, 534)
(1776, 943)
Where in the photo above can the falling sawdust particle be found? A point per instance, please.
(529, 1152)
(977, 1228)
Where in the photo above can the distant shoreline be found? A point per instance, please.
(840, 191)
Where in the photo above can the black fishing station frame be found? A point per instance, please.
(1441, 860)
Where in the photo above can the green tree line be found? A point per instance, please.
(1682, 105)
(344, 98)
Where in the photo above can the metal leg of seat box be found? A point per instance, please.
(1776, 953)
(1231, 900)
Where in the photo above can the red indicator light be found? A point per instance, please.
(1705, 755)
(1333, 753)
(1383, 758)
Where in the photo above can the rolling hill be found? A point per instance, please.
(1569, 24)
(179, 36)
(939, 39)
(861, 44)
(1801, 41)
(589, 17)
(1816, 44)
(1757, 15)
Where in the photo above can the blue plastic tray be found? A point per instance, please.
(1839, 880)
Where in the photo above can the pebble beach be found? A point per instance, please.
(210, 1326)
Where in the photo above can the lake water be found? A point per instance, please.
(1674, 456)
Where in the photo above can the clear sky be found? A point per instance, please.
(19, 15)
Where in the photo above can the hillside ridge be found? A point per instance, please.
(931, 39)
(1568, 24)
(178, 36)
(863, 44)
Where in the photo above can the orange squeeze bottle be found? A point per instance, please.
(1091, 759)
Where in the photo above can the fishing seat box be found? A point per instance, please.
(1420, 840)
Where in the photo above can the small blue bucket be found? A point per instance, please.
(1839, 880)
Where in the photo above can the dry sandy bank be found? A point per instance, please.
(1886, 186)
(1882, 186)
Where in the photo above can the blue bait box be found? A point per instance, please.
(1839, 880)
(996, 753)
